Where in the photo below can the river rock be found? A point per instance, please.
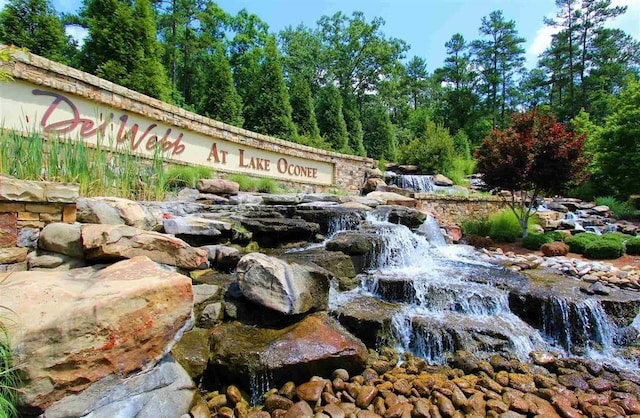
(314, 346)
(289, 288)
(109, 242)
(372, 184)
(165, 390)
(218, 186)
(41, 260)
(73, 328)
(118, 211)
(339, 264)
(62, 238)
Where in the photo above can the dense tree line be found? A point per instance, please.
(344, 84)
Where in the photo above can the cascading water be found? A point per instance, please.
(447, 300)
(442, 310)
(417, 183)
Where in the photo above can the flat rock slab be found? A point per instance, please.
(72, 328)
(109, 242)
(165, 390)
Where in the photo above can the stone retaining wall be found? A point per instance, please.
(60, 100)
(453, 210)
(25, 208)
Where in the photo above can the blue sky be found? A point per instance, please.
(424, 24)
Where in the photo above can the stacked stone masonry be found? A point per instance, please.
(348, 172)
(453, 210)
(25, 208)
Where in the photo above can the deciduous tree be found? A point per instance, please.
(537, 154)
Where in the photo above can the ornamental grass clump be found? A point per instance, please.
(9, 380)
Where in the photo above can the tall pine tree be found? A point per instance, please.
(122, 47)
(34, 25)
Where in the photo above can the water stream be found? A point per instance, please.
(449, 300)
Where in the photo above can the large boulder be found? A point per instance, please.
(73, 328)
(165, 390)
(218, 186)
(316, 345)
(62, 238)
(354, 242)
(109, 242)
(118, 211)
(289, 288)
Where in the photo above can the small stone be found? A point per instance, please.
(310, 391)
(599, 289)
(340, 374)
(299, 410)
(276, 401)
(366, 394)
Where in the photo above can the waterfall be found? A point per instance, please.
(417, 183)
(431, 231)
(445, 299)
(577, 325)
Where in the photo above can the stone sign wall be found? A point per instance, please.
(453, 210)
(57, 100)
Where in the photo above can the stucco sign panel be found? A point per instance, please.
(28, 107)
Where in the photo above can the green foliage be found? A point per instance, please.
(460, 169)
(9, 380)
(268, 111)
(535, 241)
(621, 210)
(221, 102)
(34, 25)
(461, 144)
(379, 139)
(253, 184)
(632, 246)
(266, 185)
(331, 122)
(578, 243)
(186, 176)
(433, 153)
(98, 171)
(479, 227)
(303, 113)
(122, 47)
(602, 249)
(618, 146)
(505, 226)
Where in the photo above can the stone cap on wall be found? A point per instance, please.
(456, 198)
(43, 66)
(15, 190)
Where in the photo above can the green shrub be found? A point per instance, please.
(578, 243)
(633, 246)
(186, 176)
(505, 236)
(266, 185)
(555, 235)
(505, 226)
(616, 236)
(246, 183)
(8, 377)
(535, 241)
(604, 249)
(478, 227)
(461, 168)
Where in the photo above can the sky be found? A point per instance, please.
(424, 24)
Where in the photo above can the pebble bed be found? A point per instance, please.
(601, 275)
